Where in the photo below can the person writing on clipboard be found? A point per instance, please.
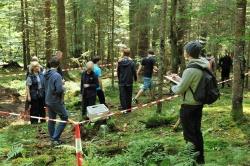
(191, 110)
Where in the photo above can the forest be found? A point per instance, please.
(89, 47)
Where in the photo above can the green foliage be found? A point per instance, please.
(16, 151)
(158, 120)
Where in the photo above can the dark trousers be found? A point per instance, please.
(225, 73)
(101, 96)
(191, 123)
(37, 109)
(126, 96)
(87, 102)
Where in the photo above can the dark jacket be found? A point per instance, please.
(92, 80)
(36, 92)
(126, 72)
(226, 63)
(53, 87)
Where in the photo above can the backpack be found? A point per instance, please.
(207, 91)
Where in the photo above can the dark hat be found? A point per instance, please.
(193, 48)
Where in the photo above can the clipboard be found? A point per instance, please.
(171, 79)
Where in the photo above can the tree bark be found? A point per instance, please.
(144, 15)
(35, 33)
(48, 29)
(112, 42)
(182, 31)
(162, 52)
(27, 32)
(62, 40)
(238, 67)
(173, 38)
(133, 28)
(23, 36)
(78, 28)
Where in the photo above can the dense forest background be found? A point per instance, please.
(83, 28)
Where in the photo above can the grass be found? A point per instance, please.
(226, 142)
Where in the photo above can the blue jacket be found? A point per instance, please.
(53, 87)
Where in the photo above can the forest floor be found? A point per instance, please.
(131, 140)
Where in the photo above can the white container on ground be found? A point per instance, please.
(97, 111)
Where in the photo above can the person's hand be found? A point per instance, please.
(175, 77)
(86, 85)
(29, 99)
(80, 98)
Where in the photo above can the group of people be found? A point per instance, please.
(47, 89)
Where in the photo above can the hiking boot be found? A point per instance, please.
(56, 142)
(135, 101)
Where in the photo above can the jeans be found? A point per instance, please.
(126, 96)
(147, 83)
(54, 110)
(191, 123)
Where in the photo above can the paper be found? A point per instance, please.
(171, 79)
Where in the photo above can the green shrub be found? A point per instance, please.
(158, 120)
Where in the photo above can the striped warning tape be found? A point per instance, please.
(130, 110)
(36, 117)
(68, 69)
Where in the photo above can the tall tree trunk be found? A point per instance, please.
(99, 34)
(23, 35)
(173, 38)
(27, 31)
(112, 42)
(238, 67)
(108, 31)
(182, 32)
(77, 6)
(133, 31)
(62, 40)
(247, 65)
(162, 51)
(86, 37)
(155, 36)
(144, 15)
(48, 29)
(35, 33)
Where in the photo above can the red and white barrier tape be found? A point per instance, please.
(34, 117)
(78, 145)
(68, 69)
(131, 110)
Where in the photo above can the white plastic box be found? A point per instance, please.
(96, 111)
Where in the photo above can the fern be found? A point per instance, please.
(16, 151)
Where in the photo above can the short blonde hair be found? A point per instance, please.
(33, 65)
(34, 59)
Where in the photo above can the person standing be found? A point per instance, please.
(98, 72)
(89, 83)
(35, 92)
(58, 56)
(149, 65)
(191, 110)
(225, 64)
(126, 72)
(54, 92)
